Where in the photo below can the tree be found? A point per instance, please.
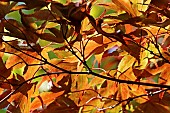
(87, 56)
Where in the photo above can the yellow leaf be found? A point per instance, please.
(125, 5)
(126, 62)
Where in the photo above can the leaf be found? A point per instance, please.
(108, 88)
(110, 6)
(14, 59)
(82, 82)
(150, 68)
(37, 3)
(86, 96)
(133, 49)
(123, 91)
(95, 82)
(75, 14)
(21, 97)
(14, 28)
(58, 34)
(31, 71)
(18, 7)
(5, 72)
(4, 9)
(164, 78)
(125, 5)
(62, 104)
(126, 62)
(162, 5)
(110, 62)
(139, 33)
(17, 30)
(5, 102)
(28, 22)
(44, 99)
(43, 15)
(141, 73)
(55, 7)
(52, 55)
(52, 38)
(156, 104)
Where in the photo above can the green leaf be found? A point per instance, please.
(52, 55)
(14, 15)
(2, 111)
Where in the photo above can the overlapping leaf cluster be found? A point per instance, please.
(59, 57)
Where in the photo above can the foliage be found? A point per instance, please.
(84, 56)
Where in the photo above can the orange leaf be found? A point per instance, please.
(124, 91)
(44, 99)
(13, 59)
(82, 82)
(164, 77)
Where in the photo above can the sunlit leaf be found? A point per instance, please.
(126, 62)
(74, 56)
(44, 99)
(125, 5)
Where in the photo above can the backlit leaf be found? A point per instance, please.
(126, 62)
(125, 5)
(44, 99)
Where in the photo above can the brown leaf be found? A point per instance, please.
(62, 104)
(154, 105)
(2, 96)
(44, 15)
(37, 4)
(50, 37)
(163, 4)
(58, 34)
(139, 33)
(4, 9)
(28, 22)
(110, 62)
(5, 72)
(98, 28)
(141, 73)
(133, 49)
(75, 14)
(15, 29)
